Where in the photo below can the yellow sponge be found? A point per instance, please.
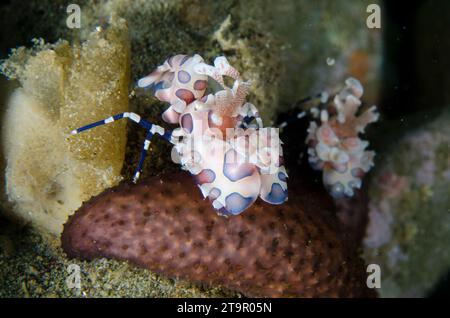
(49, 172)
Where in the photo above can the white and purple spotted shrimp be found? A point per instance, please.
(221, 140)
(334, 145)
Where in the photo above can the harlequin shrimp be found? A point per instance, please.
(334, 145)
(220, 140)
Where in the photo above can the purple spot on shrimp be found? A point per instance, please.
(187, 123)
(159, 85)
(214, 193)
(276, 195)
(185, 95)
(223, 212)
(337, 190)
(205, 176)
(185, 58)
(235, 170)
(170, 61)
(184, 77)
(236, 203)
(282, 176)
(200, 85)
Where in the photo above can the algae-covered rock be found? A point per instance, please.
(409, 212)
(48, 172)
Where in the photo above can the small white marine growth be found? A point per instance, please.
(334, 144)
